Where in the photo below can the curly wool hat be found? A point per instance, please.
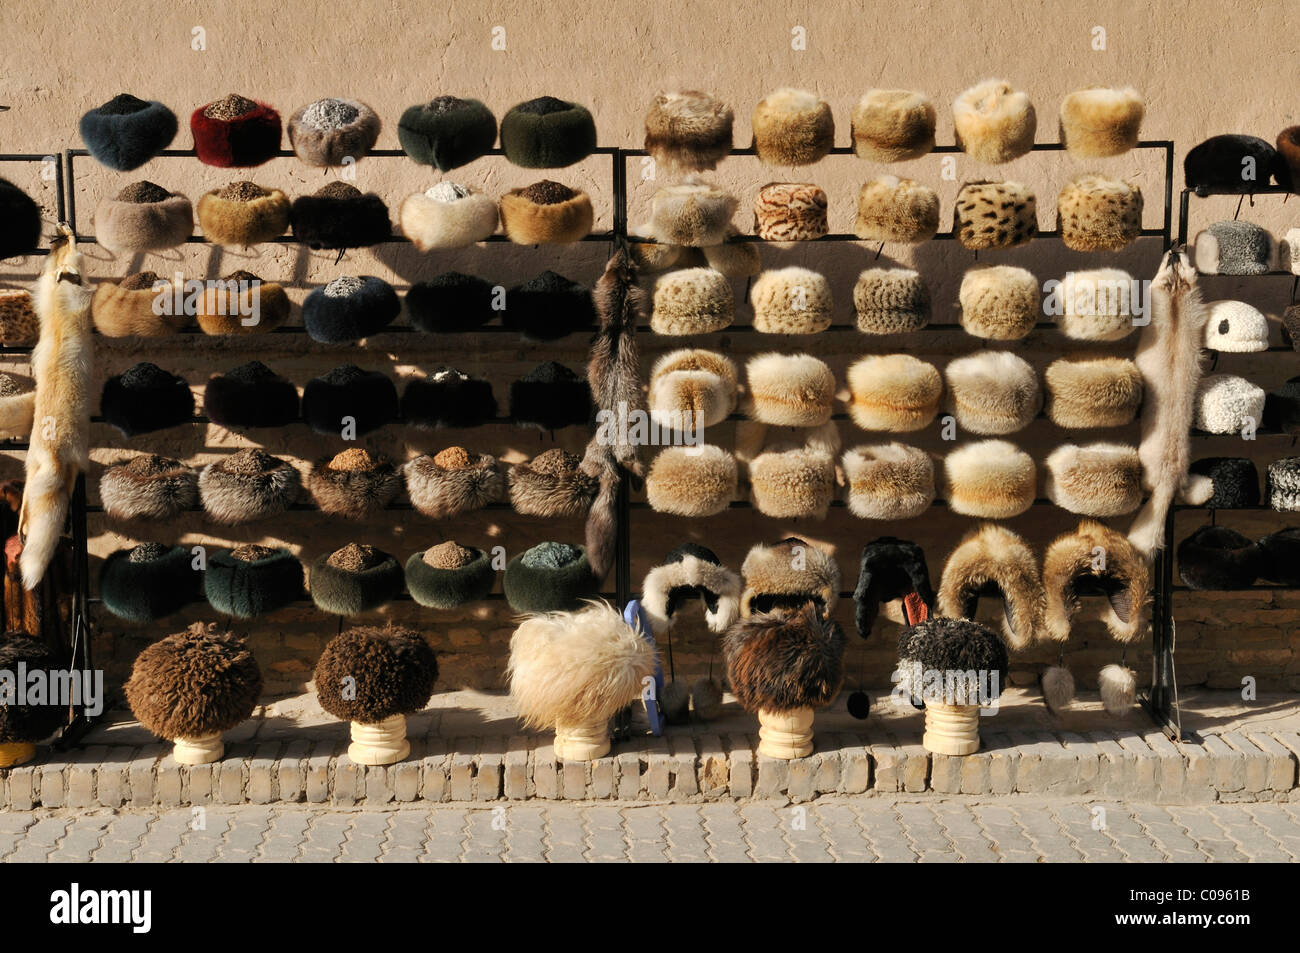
(549, 307)
(17, 405)
(1236, 327)
(894, 392)
(789, 390)
(126, 308)
(1071, 569)
(991, 479)
(549, 397)
(791, 300)
(1092, 392)
(328, 132)
(1230, 163)
(447, 132)
(18, 322)
(449, 575)
(143, 217)
(892, 125)
(1287, 170)
(21, 216)
(348, 396)
(145, 398)
(126, 132)
(1225, 403)
(448, 397)
(999, 302)
(368, 674)
(147, 582)
(1291, 326)
(1282, 407)
(785, 661)
(243, 213)
(1097, 122)
(691, 572)
(1098, 305)
(791, 473)
(692, 481)
(1100, 479)
(250, 581)
(1234, 248)
(355, 483)
(891, 301)
(734, 258)
(790, 212)
(1095, 213)
(992, 393)
(549, 577)
(994, 122)
(892, 570)
(890, 481)
(891, 209)
(691, 389)
(995, 215)
(692, 301)
(1234, 482)
(250, 395)
(1283, 484)
(993, 561)
(450, 302)
(788, 575)
(242, 303)
(349, 308)
(546, 212)
(552, 484)
(1279, 556)
(547, 133)
(235, 131)
(792, 127)
(354, 579)
(247, 486)
(1217, 557)
(148, 486)
(453, 481)
(447, 215)
(688, 131)
(339, 216)
(692, 213)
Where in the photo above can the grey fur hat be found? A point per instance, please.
(1234, 248)
(247, 486)
(148, 486)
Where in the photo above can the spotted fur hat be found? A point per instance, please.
(143, 217)
(546, 212)
(994, 122)
(447, 132)
(453, 481)
(1096, 213)
(1089, 392)
(367, 400)
(891, 481)
(790, 471)
(126, 132)
(243, 213)
(448, 397)
(893, 125)
(991, 479)
(1097, 122)
(692, 301)
(148, 582)
(145, 398)
(692, 481)
(688, 131)
(235, 131)
(999, 302)
(891, 301)
(126, 308)
(995, 215)
(547, 133)
(247, 486)
(447, 215)
(692, 213)
(354, 483)
(350, 308)
(328, 132)
(18, 322)
(354, 579)
(250, 395)
(148, 487)
(992, 393)
(692, 388)
(891, 209)
(1098, 479)
(338, 216)
(793, 127)
(893, 392)
(250, 581)
(691, 572)
(449, 575)
(790, 212)
(791, 300)
(789, 575)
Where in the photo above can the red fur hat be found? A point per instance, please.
(235, 132)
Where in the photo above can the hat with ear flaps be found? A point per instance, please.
(892, 569)
(450, 302)
(348, 397)
(354, 579)
(692, 481)
(547, 133)
(21, 234)
(148, 582)
(1230, 163)
(692, 388)
(891, 301)
(243, 213)
(1234, 482)
(549, 577)
(992, 393)
(1096, 213)
(250, 395)
(791, 472)
(893, 125)
(1217, 557)
(249, 581)
(549, 397)
(143, 217)
(994, 122)
(999, 302)
(338, 216)
(1083, 393)
(692, 301)
(994, 561)
(350, 308)
(787, 575)
(548, 307)
(1099, 479)
(692, 213)
(552, 484)
(1226, 403)
(39, 715)
(687, 130)
(691, 572)
(448, 397)
(1098, 305)
(235, 131)
(893, 392)
(1279, 556)
(126, 132)
(995, 215)
(453, 481)
(449, 575)
(793, 127)
(546, 212)
(789, 390)
(791, 300)
(126, 308)
(991, 479)
(354, 483)
(1282, 407)
(247, 486)
(242, 303)
(790, 212)
(17, 405)
(149, 487)
(891, 209)
(784, 661)
(144, 398)
(368, 674)
(1097, 122)
(890, 481)
(447, 215)
(330, 131)
(1234, 248)
(447, 132)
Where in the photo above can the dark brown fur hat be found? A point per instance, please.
(781, 661)
(28, 722)
(552, 484)
(355, 483)
(453, 481)
(688, 131)
(367, 674)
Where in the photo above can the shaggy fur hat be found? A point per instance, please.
(1071, 569)
(148, 487)
(1288, 251)
(691, 389)
(1092, 392)
(688, 131)
(1216, 557)
(148, 582)
(549, 307)
(448, 397)
(651, 255)
(450, 302)
(549, 397)
(891, 301)
(1283, 484)
(28, 722)
(367, 397)
(1222, 164)
(995, 215)
(1097, 122)
(125, 132)
(949, 645)
(999, 302)
(1234, 248)
(145, 398)
(692, 301)
(992, 560)
(126, 308)
(789, 390)
(784, 661)
(350, 308)
(892, 569)
(143, 217)
(1095, 213)
(235, 131)
(250, 581)
(354, 579)
(890, 481)
(892, 125)
(17, 405)
(21, 234)
(368, 674)
(1100, 479)
(354, 483)
(447, 215)
(1287, 169)
(549, 577)
(692, 481)
(992, 393)
(547, 133)
(692, 213)
(251, 395)
(1098, 305)
(1279, 556)
(194, 683)
(338, 215)
(891, 209)
(894, 392)
(991, 479)
(18, 322)
(1225, 403)
(552, 484)
(546, 211)
(447, 132)
(792, 127)
(453, 481)
(449, 575)
(243, 214)
(790, 212)
(1282, 407)
(791, 473)
(791, 300)
(788, 575)
(224, 308)
(733, 258)
(1234, 482)
(329, 131)
(247, 486)
(691, 572)
(1236, 327)
(994, 123)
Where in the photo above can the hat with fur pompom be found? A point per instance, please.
(993, 561)
(793, 127)
(688, 131)
(126, 132)
(329, 132)
(999, 302)
(894, 392)
(1097, 122)
(994, 122)
(235, 131)
(547, 133)
(453, 481)
(447, 132)
(447, 215)
(893, 125)
(692, 481)
(349, 398)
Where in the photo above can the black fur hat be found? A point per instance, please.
(1235, 480)
(892, 568)
(354, 579)
(447, 132)
(549, 577)
(450, 302)
(368, 397)
(250, 395)
(350, 308)
(250, 581)
(1282, 408)
(549, 307)
(354, 483)
(547, 133)
(340, 216)
(691, 572)
(550, 396)
(1280, 556)
(1216, 557)
(148, 582)
(127, 132)
(148, 486)
(449, 575)
(144, 398)
(950, 645)
(29, 721)
(448, 398)
(21, 218)
(785, 660)
(1219, 163)
(390, 671)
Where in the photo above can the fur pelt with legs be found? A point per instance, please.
(600, 463)
(785, 660)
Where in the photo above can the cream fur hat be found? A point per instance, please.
(692, 384)
(1092, 392)
(791, 300)
(1097, 122)
(791, 472)
(891, 209)
(789, 390)
(890, 481)
(692, 212)
(999, 302)
(992, 393)
(991, 479)
(793, 127)
(994, 122)
(1236, 327)
(692, 301)
(1225, 403)
(1100, 479)
(447, 215)
(692, 481)
(894, 392)
(1098, 305)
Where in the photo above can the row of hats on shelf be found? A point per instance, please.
(1235, 247)
(1220, 558)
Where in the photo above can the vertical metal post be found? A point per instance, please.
(623, 537)
(70, 193)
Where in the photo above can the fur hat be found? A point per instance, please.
(1234, 248)
(367, 397)
(338, 215)
(791, 474)
(148, 582)
(1288, 251)
(1279, 556)
(1097, 122)
(448, 397)
(21, 234)
(784, 661)
(1287, 169)
(890, 481)
(549, 307)
(995, 215)
(994, 123)
(992, 560)
(546, 212)
(145, 398)
(251, 395)
(447, 132)
(143, 217)
(243, 213)
(892, 125)
(692, 481)
(18, 322)
(1092, 392)
(893, 392)
(330, 131)
(547, 133)
(1236, 327)
(733, 258)
(553, 484)
(349, 308)
(449, 575)
(991, 479)
(39, 716)
(1098, 305)
(250, 581)
(1216, 557)
(17, 405)
(951, 648)
(549, 397)
(792, 127)
(791, 300)
(355, 483)
(1100, 479)
(786, 575)
(789, 390)
(992, 393)
(247, 486)
(891, 301)
(1283, 484)
(1071, 569)
(790, 212)
(242, 297)
(149, 487)
(892, 569)
(126, 308)
(447, 215)
(690, 572)
(688, 131)
(651, 255)
(549, 577)
(1223, 164)
(368, 674)
(453, 481)
(1282, 407)
(891, 209)
(1225, 403)
(235, 131)
(354, 579)
(691, 389)
(450, 302)
(1291, 326)
(125, 132)
(1234, 482)
(999, 302)
(1095, 213)
(692, 213)
(692, 301)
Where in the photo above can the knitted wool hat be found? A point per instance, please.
(894, 392)
(790, 212)
(21, 216)
(688, 131)
(992, 393)
(1230, 163)
(692, 301)
(1283, 484)
(347, 396)
(453, 481)
(1092, 392)
(17, 405)
(994, 123)
(995, 215)
(792, 127)
(546, 211)
(999, 302)
(355, 483)
(892, 125)
(891, 209)
(235, 131)
(1216, 557)
(145, 398)
(1279, 556)
(1100, 479)
(891, 301)
(18, 322)
(791, 300)
(991, 479)
(447, 132)
(691, 572)
(449, 575)
(447, 215)
(692, 213)
(791, 473)
(550, 577)
(354, 579)
(450, 302)
(148, 582)
(993, 561)
(243, 213)
(552, 484)
(1287, 170)
(242, 303)
(251, 395)
(125, 132)
(691, 389)
(143, 217)
(547, 133)
(549, 307)
(1234, 248)
(1234, 481)
(1225, 403)
(1071, 569)
(1095, 213)
(148, 487)
(692, 481)
(349, 308)
(733, 258)
(1098, 305)
(338, 215)
(328, 132)
(126, 308)
(1236, 327)
(890, 481)
(789, 390)
(247, 486)
(549, 397)
(448, 397)
(892, 570)
(250, 581)
(1282, 407)
(788, 575)
(1097, 122)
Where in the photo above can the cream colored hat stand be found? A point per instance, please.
(785, 735)
(383, 742)
(14, 753)
(201, 749)
(951, 729)
(582, 742)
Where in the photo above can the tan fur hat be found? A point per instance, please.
(789, 390)
(891, 209)
(891, 301)
(999, 302)
(18, 322)
(552, 484)
(994, 122)
(692, 212)
(791, 472)
(992, 393)
(1097, 305)
(692, 481)
(447, 215)
(1097, 122)
(1100, 479)
(692, 388)
(995, 215)
(1092, 392)
(894, 392)
(889, 481)
(17, 406)
(787, 574)
(355, 483)
(243, 213)
(688, 131)
(692, 301)
(992, 479)
(793, 127)
(546, 212)
(1095, 213)
(735, 259)
(790, 212)
(143, 217)
(1071, 569)
(652, 256)
(225, 307)
(993, 557)
(791, 300)
(891, 125)
(126, 309)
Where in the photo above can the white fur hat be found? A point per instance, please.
(447, 215)
(992, 479)
(692, 301)
(694, 382)
(994, 122)
(1236, 327)
(1098, 305)
(1289, 251)
(1225, 403)
(1097, 122)
(999, 302)
(791, 300)
(894, 392)
(692, 212)
(789, 390)
(992, 393)
(1100, 479)
(889, 481)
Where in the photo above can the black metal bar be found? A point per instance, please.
(1169, 193)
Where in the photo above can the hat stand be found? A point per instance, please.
(201, 749)
(785, 735)
(383, 742)
(582, 742)
(951, 729)
(14, 753)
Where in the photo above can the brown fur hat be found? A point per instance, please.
(149, 487)
(992, 560)
(793, 127)
(1097, 122)
(143, 217)
(783, 661)
(791, 300)
(1095, 213)
(692, 301)
(994, 123)
(126, 309)
(552, 484)
(18, 322)
(692, 213)
(790, 212)
(789, 390)
(329, 131)
(545, 212)
(999, 302)
(224, 308)
(891, 209)
(791, 472)
(369, 673)
(786, 575)
(692, 388)
(992, 393)
(892, 125)
(891, 301)
(995, 215)
(734, 258)
(692, 481)
(1098, 305)
(1100, 479)
(894, 392)
(248, 485)
(447, 215)
(1071, 568)
(1093, 392)
(889, 481)
(17, 406)
(688, 131)
(991, 479)
(243, 213)
(453, 481)
(355, 483)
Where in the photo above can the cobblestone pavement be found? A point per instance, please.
(1007, 830)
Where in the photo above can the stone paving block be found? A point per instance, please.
(435, 770)
(628, 775)
(140, 775)
(1088, 757)
(516, 780)
(772, 776)
(169, 781)
(799, 778)
(377, 783)
(740, 762)
(974, 774)
(945, 773)
(855, 765)
(405, 775)
(683, 757)
(712, 770)
(915, 767)
(573, 780)
(232, 779)
(316, 777)
(546, 772)
(1145, 764)
(198, 784)
(1282, 760)
(1171, 766)
(463, 752)
(1256, 768)
(81, 775)
(112, 787)
(1118, 765)
(657, 777)
(488, 768)
(49, 784)
(1229, 764)
(826, 777)
(1003, 763)
(261, 773)
(887, 763)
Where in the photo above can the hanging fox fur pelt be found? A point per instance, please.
(1169, 357)
(61, 366)
(602, 519)
(614, 370)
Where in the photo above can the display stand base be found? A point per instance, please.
(383, 742)
(581, 742)
(14, 753)
(951, 729)
(201, 749)
(786, 735)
